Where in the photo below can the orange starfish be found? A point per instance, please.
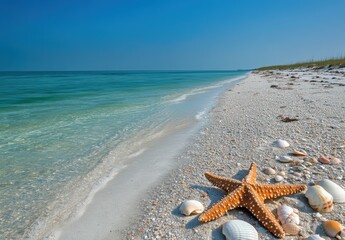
(251, 195)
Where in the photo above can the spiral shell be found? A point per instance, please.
(287, 214)
(337, 192)
(334, 229)
(319, 199)
(239, 230)
(190, 207)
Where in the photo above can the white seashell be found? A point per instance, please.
(281, 143)
(278, 178)
(285, 159)
(291, 229)
(334, 229)
(287, 214)
(239, 230)
(269, 171)
(314, 237)
(337, 192)
(190, 207)
(319, 199)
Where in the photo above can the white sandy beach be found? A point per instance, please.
(239, 130)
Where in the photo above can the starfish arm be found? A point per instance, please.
(251, 177)
(269, 191)
(227, 184)
(257, 207)
(227, 203)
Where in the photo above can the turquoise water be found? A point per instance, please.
(56, 127)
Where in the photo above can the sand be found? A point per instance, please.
(240, 130)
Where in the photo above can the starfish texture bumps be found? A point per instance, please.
(250, 195)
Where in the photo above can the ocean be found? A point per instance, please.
(64, 131)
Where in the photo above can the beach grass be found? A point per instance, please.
(330, 62)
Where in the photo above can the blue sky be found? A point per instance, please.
(167, 35)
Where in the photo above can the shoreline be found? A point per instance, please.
(241, 129)
(90, 221)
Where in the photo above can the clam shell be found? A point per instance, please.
(324, 160)
(269, 171)
(314, 237)
(278, 178)
(285, 159)
(299, 153)
(334, 161)
(291, 229)
(334, 229)
(190, 207)
(337, 192)
(319, 199)
(239, 230)
(281, 143)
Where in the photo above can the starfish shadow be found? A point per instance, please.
(213, 193)
(240, 175)
(217, 233)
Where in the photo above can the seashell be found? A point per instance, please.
(190, 207)
(314, 237)
(324, 160)
(269, 171)
(334, 161)
(334, 229)
(278, 178)
(287, 214)
(281, 143)
(319, 199)
(312, 160)
(239, 230)
(291, 229)
(285, 159)
(299, 153)
(337, 192)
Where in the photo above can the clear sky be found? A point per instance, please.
(167, 35)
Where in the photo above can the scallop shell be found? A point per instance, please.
(334, 229)
(291, 229)
(190, 207)
(337, 192)
(239, 230)
(285, 159)
(319, 199)
(281, 143)
(314, 237)
(299, 153)
(287, 214)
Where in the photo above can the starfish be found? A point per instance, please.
(250, 195)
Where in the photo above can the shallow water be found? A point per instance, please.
(56, 127)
